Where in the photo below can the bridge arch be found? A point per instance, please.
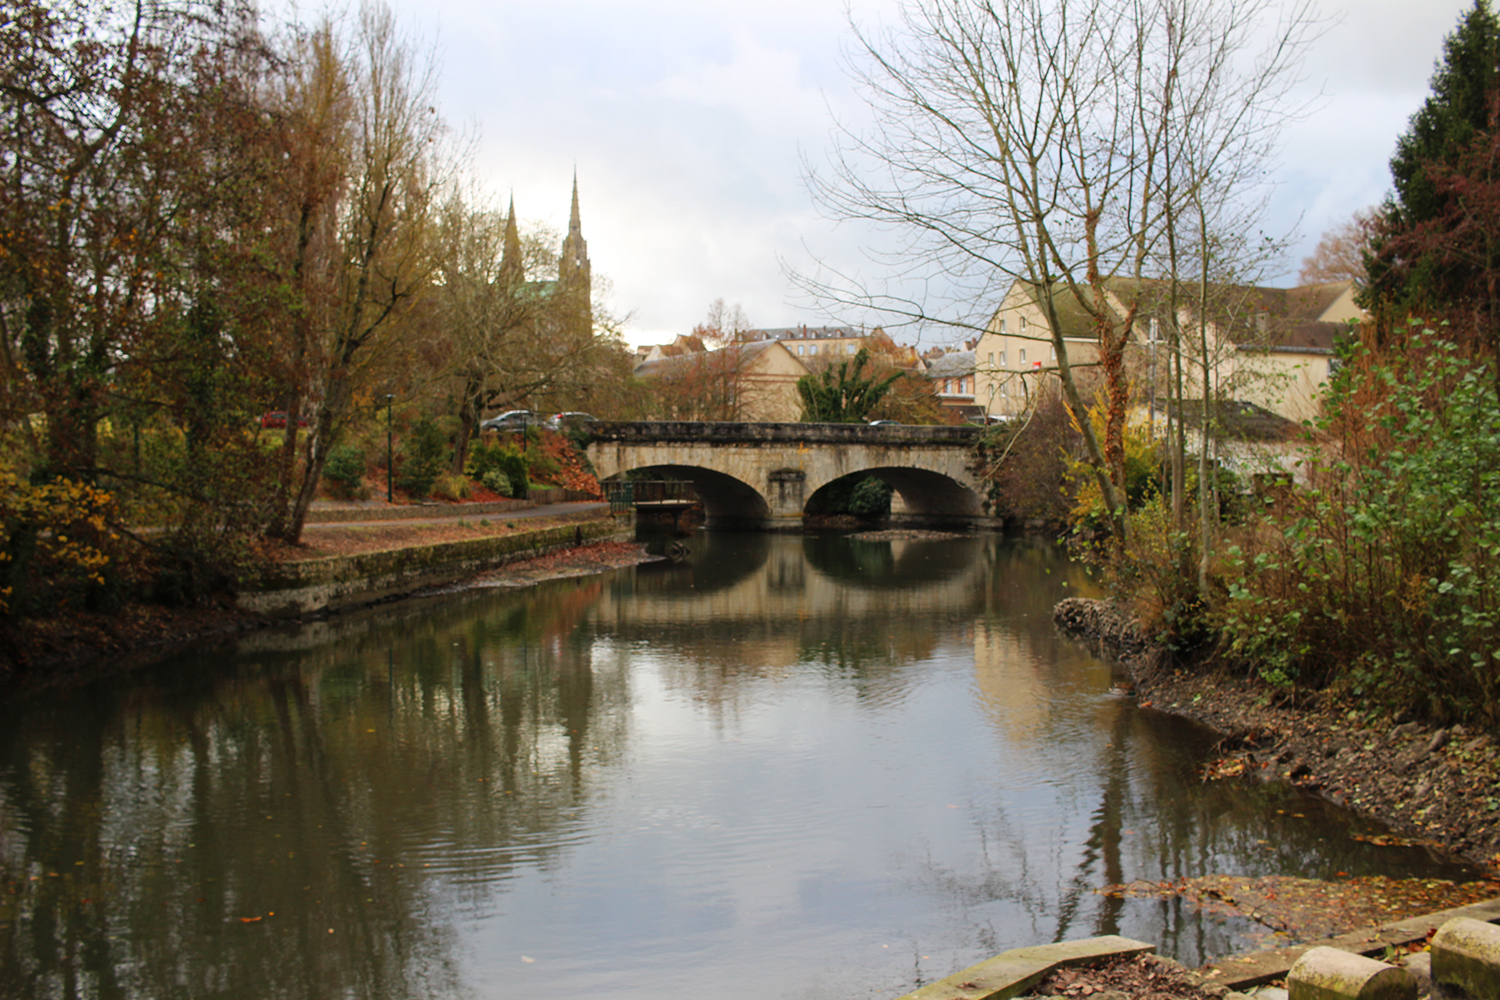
(726, 500)
(764, 474)
(924, 493)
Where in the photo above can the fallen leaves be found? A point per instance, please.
(1145, 977)
(1303, 909)
(1224, 767)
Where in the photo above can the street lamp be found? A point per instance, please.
(389, 397)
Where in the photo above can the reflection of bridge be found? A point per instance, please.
(764, 474)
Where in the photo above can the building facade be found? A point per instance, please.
(1268, 346)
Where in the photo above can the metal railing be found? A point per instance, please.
(623, 495)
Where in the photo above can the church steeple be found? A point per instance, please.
(574, 277)
(574, 266)
(512, 268)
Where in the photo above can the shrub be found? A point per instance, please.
(504, 459)
(1025, 462)
(451, 486)
(871, 498)
(864, 497)
(345, 472)
(423, 454)
(513, 464)
(497, 482)
(1383, 574)
(541, 467)
(58, 547)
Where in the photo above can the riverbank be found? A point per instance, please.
(71, 648)
(1429, 784)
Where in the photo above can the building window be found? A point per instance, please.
(992, 358)
(801, 349)
(1002, 328)
(813, 349)
(1052, 353)
(1002, 359)
(1023, 328)
(1023, 355)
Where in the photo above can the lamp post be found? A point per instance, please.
(389, 397)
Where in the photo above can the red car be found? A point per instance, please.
(277, 418)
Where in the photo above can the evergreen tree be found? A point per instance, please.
(843, 393)
(1438, 144)
(1459, 108)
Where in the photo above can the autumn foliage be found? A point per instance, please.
(573, 472)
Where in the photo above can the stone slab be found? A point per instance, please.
(1012, 973)
(1242, 971)
(1325, 973)
(1466, 958)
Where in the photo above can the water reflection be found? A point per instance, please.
(780, 767)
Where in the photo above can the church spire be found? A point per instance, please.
(574, 265)
(512, 269)
(574, 224)
(574, 277)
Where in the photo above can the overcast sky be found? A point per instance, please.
(687, 122)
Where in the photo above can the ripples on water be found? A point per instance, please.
(788, 767)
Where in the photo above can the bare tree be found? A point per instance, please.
(1058, 143)
(363, 252)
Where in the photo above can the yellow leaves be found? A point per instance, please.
(68, 520)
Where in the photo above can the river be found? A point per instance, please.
(784, 767)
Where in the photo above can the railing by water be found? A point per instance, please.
(624, 495)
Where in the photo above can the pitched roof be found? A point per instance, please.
(1240, 420)
(684, 361)
(1260, 318)
(951, 365)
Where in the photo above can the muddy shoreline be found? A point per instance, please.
(1429, 784)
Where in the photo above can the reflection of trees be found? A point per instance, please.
(327, 791)
(887, 563)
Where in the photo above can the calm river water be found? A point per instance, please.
(787, 767)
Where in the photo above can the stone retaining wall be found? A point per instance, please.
(536, 497)
(298, 588)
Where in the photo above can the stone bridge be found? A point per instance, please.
(763, 475)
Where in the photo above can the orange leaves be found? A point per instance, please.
(572, 473)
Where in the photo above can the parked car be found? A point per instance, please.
(511, 420)
(570, 418)
(277, 418)
(885, 423)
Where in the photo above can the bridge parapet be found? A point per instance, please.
(703, 432)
